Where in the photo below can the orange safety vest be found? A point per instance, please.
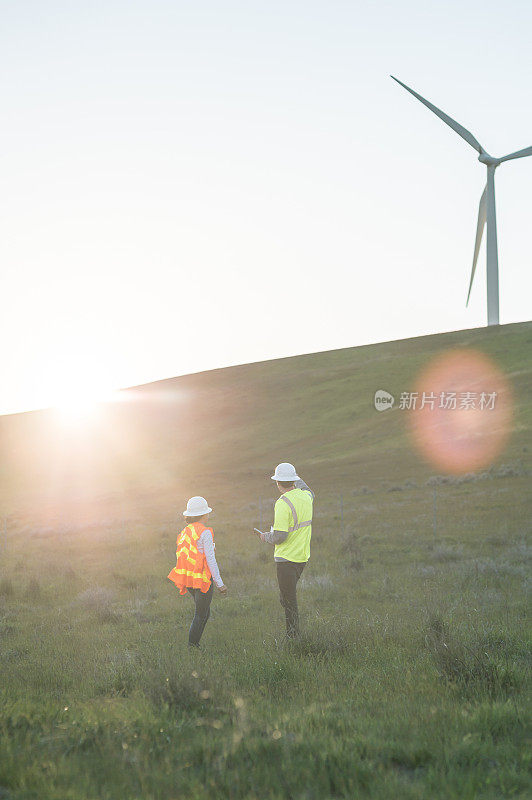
(191, 569)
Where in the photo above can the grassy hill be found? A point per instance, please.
(411, 677)
(231, 425)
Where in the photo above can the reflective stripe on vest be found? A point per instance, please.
(297, 525)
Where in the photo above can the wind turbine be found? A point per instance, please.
(486, 209)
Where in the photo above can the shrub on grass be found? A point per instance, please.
(322, 581)
(438, 480)
(270, 674)
(124, 581)
(447, 553)
(95, 597)
(120, 675)
(351, 545)
(468, 665)
(521, 551)
(178, 688)
(482, 476)
(108, 615)
(499, 568)
(6, 626)
(407, 759)
(496, 540)
(467, 478)
(70, 574)
(425, 571)
(99, 600)
(33, 589)
(322, 639)
(508, 471)
(6, 588)
(136, 609)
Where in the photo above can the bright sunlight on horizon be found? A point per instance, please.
(172, 172)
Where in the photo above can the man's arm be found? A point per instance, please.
(274, 537)
(281, 522)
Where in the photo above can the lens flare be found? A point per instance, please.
(463, 411)
(78, 408)
(73, 409)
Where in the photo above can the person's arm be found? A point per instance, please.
(208, 549)
(281, 522)
(274, 537)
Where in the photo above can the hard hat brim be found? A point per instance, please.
(188, 514)
(294, 478)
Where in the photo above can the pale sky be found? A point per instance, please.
(189, 185)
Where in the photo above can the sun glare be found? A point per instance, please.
(83, 406)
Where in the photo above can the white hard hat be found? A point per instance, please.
(285, 473)
(196, 507)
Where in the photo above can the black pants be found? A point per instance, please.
(288, 574)
(202, 612)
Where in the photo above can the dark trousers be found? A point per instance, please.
(288, 574)
(202, 601)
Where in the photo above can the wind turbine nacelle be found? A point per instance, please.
(490, 161)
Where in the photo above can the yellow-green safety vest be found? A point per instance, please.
(296, 546)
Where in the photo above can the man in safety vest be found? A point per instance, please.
(290, 533)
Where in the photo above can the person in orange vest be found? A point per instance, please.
(196, 568)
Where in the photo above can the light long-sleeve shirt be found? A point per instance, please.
(205, 545)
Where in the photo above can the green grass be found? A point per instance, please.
(410, 678)
(412, 675)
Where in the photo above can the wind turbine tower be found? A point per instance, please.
(486, 209)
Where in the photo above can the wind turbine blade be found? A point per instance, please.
(480, 229)
(527, 151)
(460, 130)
